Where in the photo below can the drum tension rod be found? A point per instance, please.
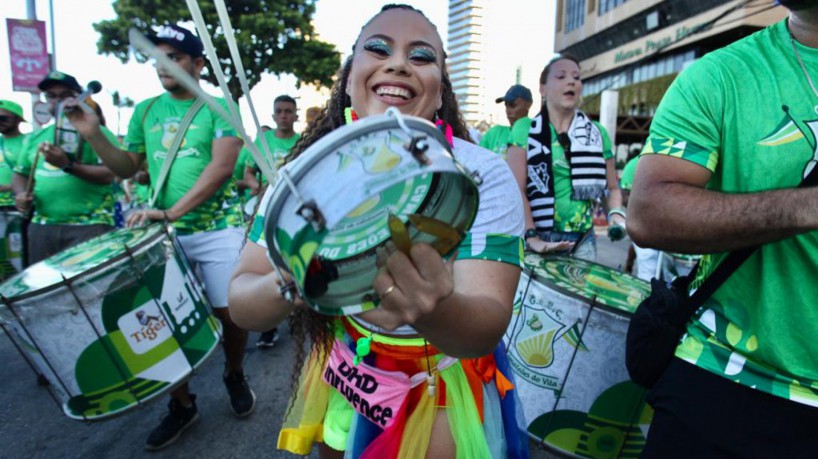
(475, 176)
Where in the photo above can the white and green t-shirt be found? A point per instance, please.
(279, 149)
(730, 113)
(61, 198)
(10, 148)
(153, 137)
(569, 215)
(499, 138)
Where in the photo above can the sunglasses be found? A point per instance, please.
(6, 118)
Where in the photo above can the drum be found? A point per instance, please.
(327, 221)
(566, 346)
(112, 322)
(12, 243)
(677, 264)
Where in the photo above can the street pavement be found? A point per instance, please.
(32, 425)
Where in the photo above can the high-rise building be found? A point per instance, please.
(639, 46)
(466, 53)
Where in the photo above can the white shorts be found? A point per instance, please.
(214, 254)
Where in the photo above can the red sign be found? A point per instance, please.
(29, 53)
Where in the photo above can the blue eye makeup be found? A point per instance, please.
(423, 54)
(378, 46)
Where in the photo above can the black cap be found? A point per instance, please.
(180, 38)
(515, 92)
(59, 78)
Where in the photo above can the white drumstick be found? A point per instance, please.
(146, 47)
(230, 36)
(204, 34)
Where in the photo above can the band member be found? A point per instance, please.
(398, 61)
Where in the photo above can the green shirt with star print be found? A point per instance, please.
(731, 114)
(151, 131)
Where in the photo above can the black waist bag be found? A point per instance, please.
(661, 319)
(655, 329)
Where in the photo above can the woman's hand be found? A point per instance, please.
(411, 287)
(540, 246)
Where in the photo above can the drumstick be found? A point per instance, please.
(30, 181)
(145, 46)
(235, 56)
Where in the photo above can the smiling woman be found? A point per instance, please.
(395, 381)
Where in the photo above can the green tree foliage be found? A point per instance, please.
(273, 36)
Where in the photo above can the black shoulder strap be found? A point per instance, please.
(733, 261)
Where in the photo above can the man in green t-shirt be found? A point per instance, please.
(198, 199)
(11, 143)
(518, 101)
(72, 193)
(279, 142)
(731, 141)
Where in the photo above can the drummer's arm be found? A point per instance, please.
(255, 303)
(670, 209)
(225, 150)
(614, 198)
(517, 159)
(471, 321)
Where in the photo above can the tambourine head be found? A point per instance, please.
(354, 178)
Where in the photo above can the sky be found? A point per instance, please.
(335, 21)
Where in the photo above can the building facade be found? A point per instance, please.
(465, 56)
(637, 47)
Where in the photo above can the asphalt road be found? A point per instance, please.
(32, 426)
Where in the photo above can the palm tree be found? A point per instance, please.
(120, 102)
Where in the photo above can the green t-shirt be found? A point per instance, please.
(569, 215)
(626, 180)
(499, 138)
(730, 113)
(61, 198)
(154, 136)
(279, 149)
(10, 148)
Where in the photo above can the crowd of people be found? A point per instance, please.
(713, 177)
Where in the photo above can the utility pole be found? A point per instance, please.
(31, 13)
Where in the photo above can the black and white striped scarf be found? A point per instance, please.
(583, 151)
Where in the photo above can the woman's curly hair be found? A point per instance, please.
(306, 323)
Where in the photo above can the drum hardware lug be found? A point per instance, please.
(310, 212)
(418, 146)
(475, 176)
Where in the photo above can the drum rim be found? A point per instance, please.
(6, 301)
(368, 125)
(565, 291)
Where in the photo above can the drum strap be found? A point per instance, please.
(174, 148)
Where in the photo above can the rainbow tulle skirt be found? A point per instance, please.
(477, 397)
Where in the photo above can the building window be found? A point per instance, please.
(574, 14)
(607, 5)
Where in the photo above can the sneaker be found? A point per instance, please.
(173, 424)
(242, 398)
(267, 339)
